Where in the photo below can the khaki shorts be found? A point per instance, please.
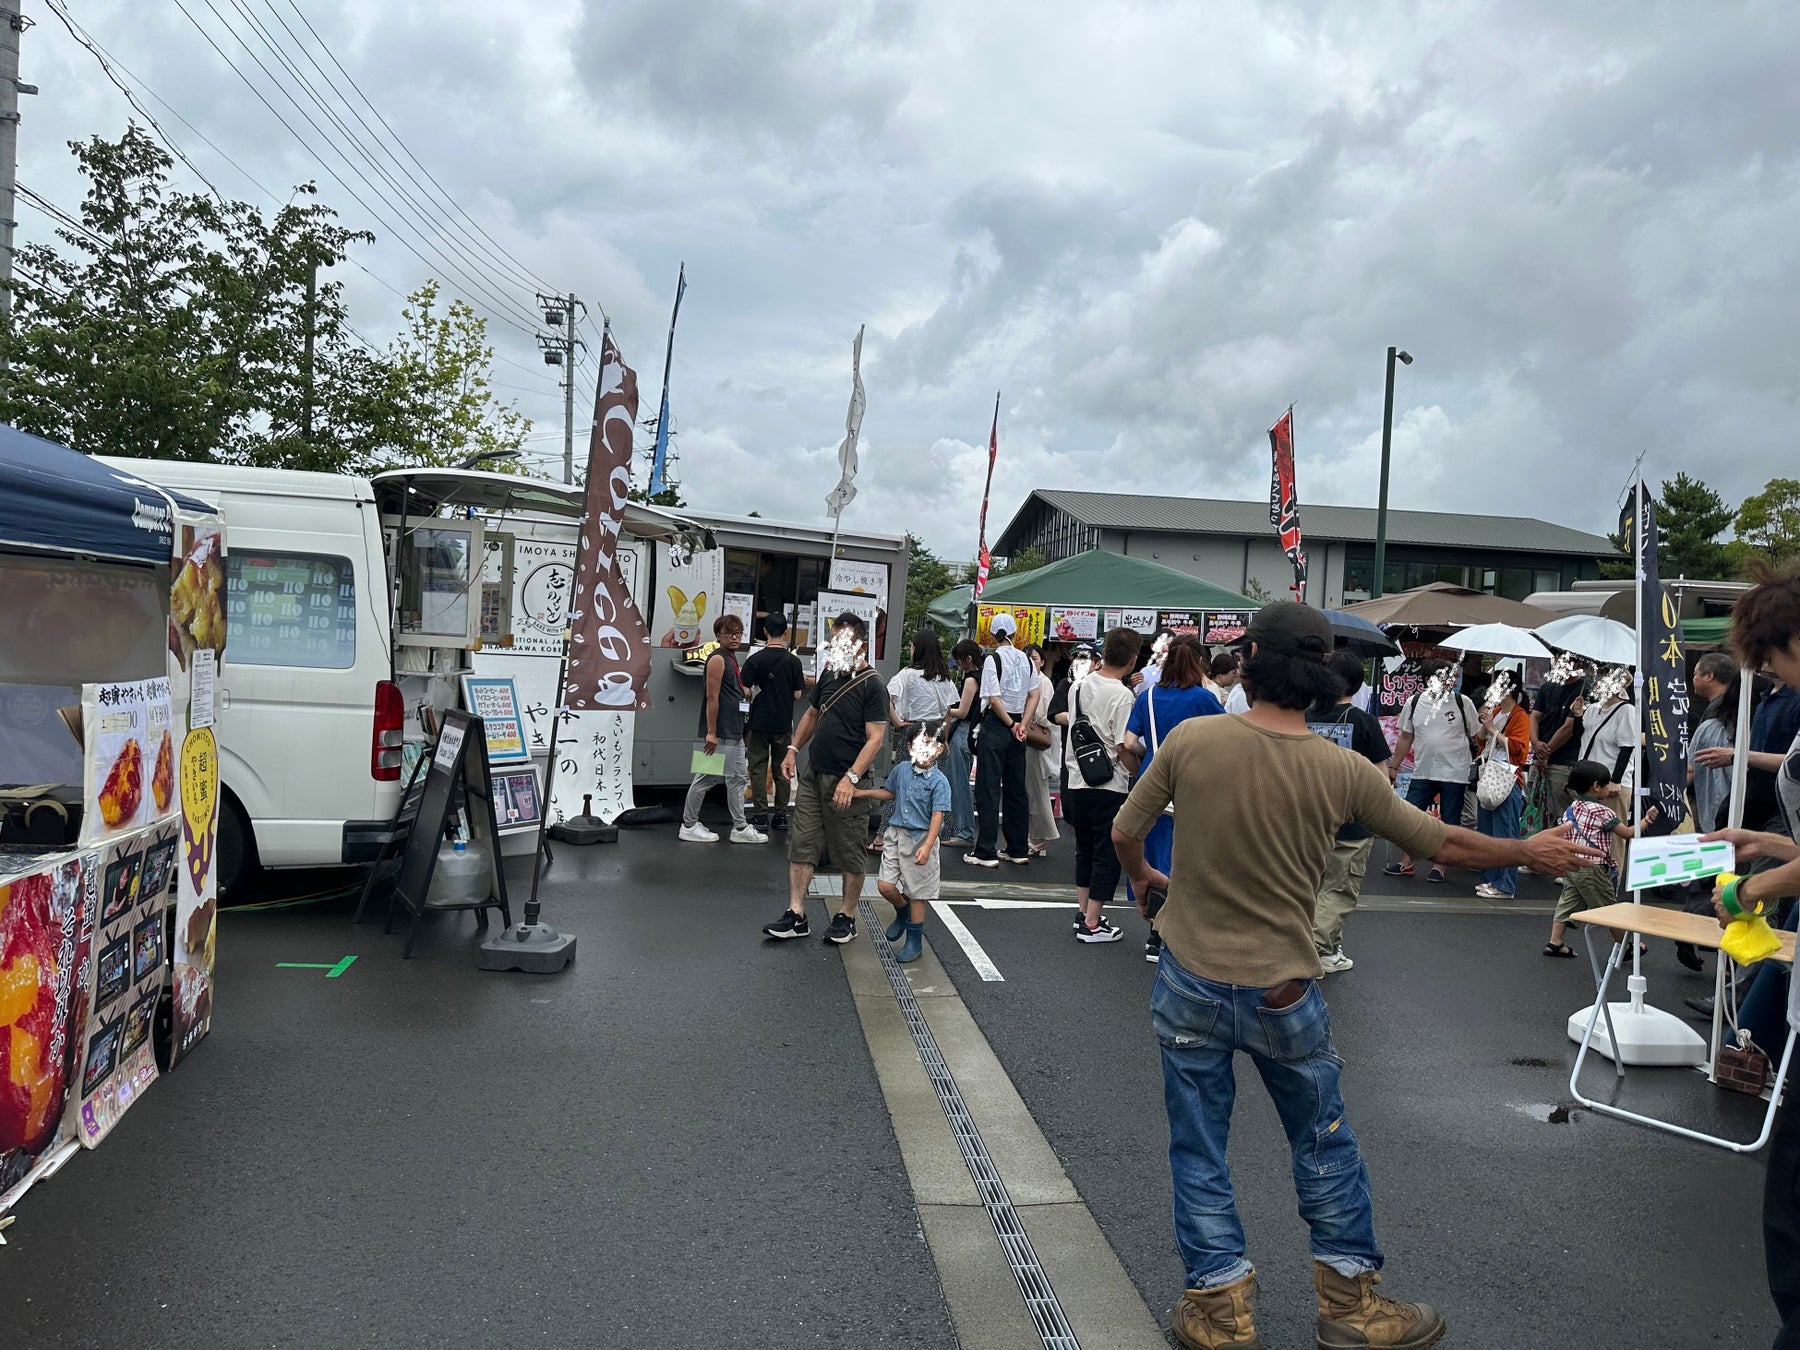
(898, 868)
(816, 826)
(1584, 888)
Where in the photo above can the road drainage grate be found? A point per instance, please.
(1040, 1299)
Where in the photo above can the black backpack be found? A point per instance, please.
(1092, 754)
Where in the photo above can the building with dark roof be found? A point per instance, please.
(1233, 545)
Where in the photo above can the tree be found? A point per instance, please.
(173, 326)
(441, 372)
(1768, 523)
(1256, 591)
(927, 577)
(669, 496)
(1025, 560)
(1690, 519)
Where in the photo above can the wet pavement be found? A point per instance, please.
(681, 1141)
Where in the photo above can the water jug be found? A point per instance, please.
(461, 876)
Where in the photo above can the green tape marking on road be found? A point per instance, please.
(331, 971)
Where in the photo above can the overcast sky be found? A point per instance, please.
(1150, 226)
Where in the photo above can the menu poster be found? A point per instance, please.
(495, 700)
(1028, 618)
(1069, 623)
(116, 1060)
(865, 578)
(1139, 620)
(129, 749)
(46, 932)
(516, 800)
(743, 606)
(1180, 622)
(690, 593)
(1224, 627)
(196, 894)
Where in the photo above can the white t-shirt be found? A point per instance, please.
(917, 699)
(1012, 682)
(1106, 703)
(1604, 733)
(1239, 702)
(1363, 696)
(1152, 675)
(1440, 730)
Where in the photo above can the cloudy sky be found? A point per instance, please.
(1149, 225)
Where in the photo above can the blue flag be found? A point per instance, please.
(659, 460)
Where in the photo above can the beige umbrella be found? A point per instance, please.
(1441, 605)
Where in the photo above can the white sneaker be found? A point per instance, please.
(697, 834)
(747, 834)
(973, 861)
(1336, 962)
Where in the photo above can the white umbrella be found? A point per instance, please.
(1496, 639)
(1605, 640)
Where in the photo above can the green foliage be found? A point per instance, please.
(1768, 523)
(174, 326)
(1257, 591)
(1025, 560)
(1690, 519)
(927, 577)
(669, 496)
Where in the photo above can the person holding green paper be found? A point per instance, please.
(722, 710)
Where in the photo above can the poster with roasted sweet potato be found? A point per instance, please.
(46, 925)
(128, 732)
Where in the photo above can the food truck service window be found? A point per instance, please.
(290, 609)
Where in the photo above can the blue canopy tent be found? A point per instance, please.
(54, 500)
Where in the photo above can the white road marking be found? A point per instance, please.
(966, 940)
(990, 903)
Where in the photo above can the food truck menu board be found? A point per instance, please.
(291, 609)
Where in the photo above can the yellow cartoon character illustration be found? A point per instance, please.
(688, 615)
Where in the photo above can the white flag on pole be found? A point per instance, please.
(845, 492)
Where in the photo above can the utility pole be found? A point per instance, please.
(12, 23)
(306, 370)
(1387, 441)
(560, 313)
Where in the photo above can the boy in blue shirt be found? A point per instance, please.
(909, 847)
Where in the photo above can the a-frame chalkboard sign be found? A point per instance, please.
(458, 762)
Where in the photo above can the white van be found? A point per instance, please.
(309, 718)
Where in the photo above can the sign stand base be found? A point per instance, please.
(1636, 1033)
(535, 948)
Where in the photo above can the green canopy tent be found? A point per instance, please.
(1095, 578)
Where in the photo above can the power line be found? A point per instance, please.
(305, 144)
(478, 262)
(529, 278)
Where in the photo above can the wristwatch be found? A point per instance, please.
(853, 776)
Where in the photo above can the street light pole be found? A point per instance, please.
(1387, 442)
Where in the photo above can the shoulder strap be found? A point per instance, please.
(1150, 703)
(1462, 711)
(849, 684)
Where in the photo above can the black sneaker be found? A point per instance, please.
(1080, 919)
(842, 929)
(779, 821)
(760, 821)
(789, 925)
(1104, 931)
(1153, 948)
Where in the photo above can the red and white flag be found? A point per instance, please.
(1284, 498)
(609, 643)
(984, 560)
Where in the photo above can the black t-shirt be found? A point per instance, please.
(777, 675)
(1553, 701)
(967, 725)
(730, 720)
(1356, 730)
(839, 736)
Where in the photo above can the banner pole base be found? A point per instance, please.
(536, 948)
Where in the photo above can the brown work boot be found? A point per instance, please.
(1353, 1316)
(1217, 1319)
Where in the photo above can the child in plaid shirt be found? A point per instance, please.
(1591, 819)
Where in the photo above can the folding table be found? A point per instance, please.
(1702, 931)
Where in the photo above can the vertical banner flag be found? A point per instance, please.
(1284, 499)
(1662, 675)
(659, 461)
(845, 492)
(984, 562)
(609, 646)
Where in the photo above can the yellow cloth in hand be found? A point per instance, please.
(1749, 939)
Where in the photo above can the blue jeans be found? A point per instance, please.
(1502, 823)
(1421, 792)
(962, 799)
(1201, 1026)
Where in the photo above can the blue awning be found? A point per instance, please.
(55, 500)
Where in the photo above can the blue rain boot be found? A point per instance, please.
(915, 940)
(898, 926)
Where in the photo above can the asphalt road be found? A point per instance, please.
(1594, 1232)
(678, 1142)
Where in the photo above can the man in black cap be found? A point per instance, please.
(1239, 971)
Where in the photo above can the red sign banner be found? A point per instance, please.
(609, 643)
(1284, 499)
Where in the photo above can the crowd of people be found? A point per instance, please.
(1247, 891)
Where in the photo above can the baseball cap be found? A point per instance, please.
(1292, 629)
(1003, 625)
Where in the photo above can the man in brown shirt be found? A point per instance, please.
(1239, 971)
